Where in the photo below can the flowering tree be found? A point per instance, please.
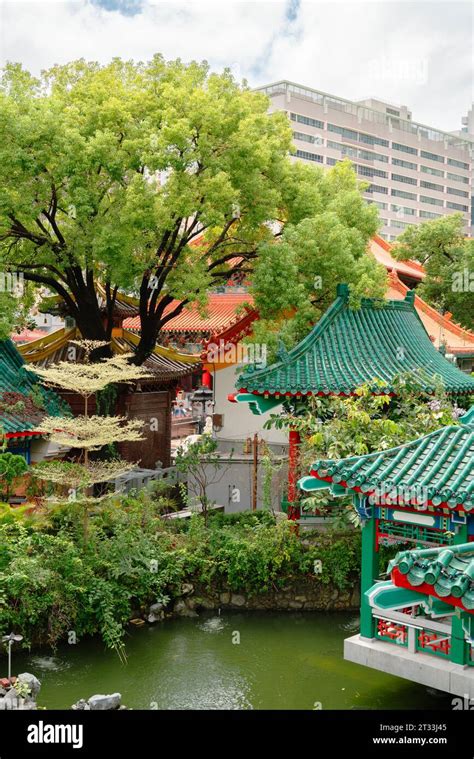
(86, 432)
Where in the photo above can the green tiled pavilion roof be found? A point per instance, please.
(437, 468)
(15, 379)
(444, 571)
(349, 347)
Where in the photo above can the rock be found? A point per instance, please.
(156, 613)
(80, 705)
(237, 599)
(151, 618)
(180, 607)
(12, 701)
(224, 598)
(6, 704)
(355, 599)
(2, 692)
(187, 588)
(155, 608)
(103, 703)
(295, 605)
(201, 602)
(32, 682)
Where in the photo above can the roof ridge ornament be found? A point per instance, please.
(282, 352)
(342, 291)
(468, 417)
(410, 297)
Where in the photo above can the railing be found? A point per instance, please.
(417, 634)
(137, 479)
(433, 643)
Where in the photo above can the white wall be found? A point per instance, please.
(239, 422)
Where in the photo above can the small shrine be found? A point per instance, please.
(23, 404)
(348, 347)
(419, 623)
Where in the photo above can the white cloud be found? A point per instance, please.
(413, 53)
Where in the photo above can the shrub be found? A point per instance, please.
(50, 583)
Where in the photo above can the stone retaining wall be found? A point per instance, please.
(302, 595)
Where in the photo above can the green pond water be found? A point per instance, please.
(283, 661)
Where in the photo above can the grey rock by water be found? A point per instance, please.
(32, 682)
(155, 608)
(103, 703)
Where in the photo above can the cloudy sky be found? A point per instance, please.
(415, 53)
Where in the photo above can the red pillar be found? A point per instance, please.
(293, 457)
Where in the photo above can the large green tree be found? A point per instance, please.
(157, 177)
(447, 254)
(165, 180)
(322, 244)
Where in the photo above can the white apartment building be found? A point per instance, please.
(415, 172)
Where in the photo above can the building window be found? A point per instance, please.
(393, 112)
(300, 119)
(429, 215)
(403, 194)
(378, 203)
(455, 191)
(398, 224)
(368, 171)
(432, 186)
(457, 178)
(404, 148)
(350, 134)
(403, 210)
(353, 152)
(434, 172)
(432, 156)
(377, 188)
(370, 140)
(309, 156)
(314, 139)
(458, 164)
(432, 201)
(457, 207)
(331, 161)
(404, 164)
(402, 178)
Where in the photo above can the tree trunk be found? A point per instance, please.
(150, 328)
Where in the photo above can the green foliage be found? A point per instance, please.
(111, 172)
(338, 427)
(37, 396)
(334, 428)
(50, 583)
(15, 307)
(204, 467)
(11, 466)
(323, 243)
(447, 254)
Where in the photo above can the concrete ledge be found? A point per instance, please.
(419, 668)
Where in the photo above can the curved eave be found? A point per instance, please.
(22, 433)
(315, 481)
(401, 581)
